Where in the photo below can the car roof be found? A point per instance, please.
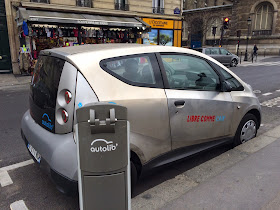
(82, 56)
(91, 48)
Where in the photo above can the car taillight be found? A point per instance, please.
(64, 116)
(68, 96)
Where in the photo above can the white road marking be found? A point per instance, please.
(277, 90)
(18, 205)
(17, 165)
(261, 125)
(257, 91)
(5, 179)
(267, 94)
(272, 102)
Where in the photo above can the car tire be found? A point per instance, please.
(233, 63)
(246, 130)
(133, 175)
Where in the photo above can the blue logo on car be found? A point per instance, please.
(47, 123)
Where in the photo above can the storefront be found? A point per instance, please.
(39, 30)
(163, 32)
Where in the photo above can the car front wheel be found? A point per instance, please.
(233, 63)
(246, 130)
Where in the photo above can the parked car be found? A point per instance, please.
(179, 102)
(220, 54)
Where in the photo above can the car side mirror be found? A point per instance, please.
(226, 86)
(228, 53)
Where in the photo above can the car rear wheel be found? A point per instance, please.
(233, 63)
(246, 130)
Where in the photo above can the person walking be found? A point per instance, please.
(255, 51)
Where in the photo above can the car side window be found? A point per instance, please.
(235, 84)
(139, 70)
(215, 51)
(189, 73)
(207, 51)
(224, 52)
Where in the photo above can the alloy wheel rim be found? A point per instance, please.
(248, 131)
(234, 63)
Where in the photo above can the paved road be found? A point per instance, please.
(34, 187)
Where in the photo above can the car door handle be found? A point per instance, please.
(179, 104)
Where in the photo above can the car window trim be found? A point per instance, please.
(162, 69)
(223, 77)
(155, 66)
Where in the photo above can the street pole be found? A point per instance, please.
(214, 28)
(222, 35)
(246, 53)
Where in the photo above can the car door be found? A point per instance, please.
(215, 53)
(199, 112)
(135, 81)
(225, 56)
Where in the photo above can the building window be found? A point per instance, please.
(215, 2)
(83, 3)
(158, 6)
(184, 5)
(263, 19)
(206, 3)
(195, 4)
(121, 5)
(41, 1)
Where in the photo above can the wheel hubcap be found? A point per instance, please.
(248, 131)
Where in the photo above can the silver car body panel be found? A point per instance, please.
(84, 94)
(149, 109)
(213, 112)
(58, 150)
(67, 83)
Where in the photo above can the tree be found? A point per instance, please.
(163, 39)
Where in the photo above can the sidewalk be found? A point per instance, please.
(246, 177)
(10, 80)
(260, 59)
(251, 184)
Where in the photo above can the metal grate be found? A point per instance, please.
(83, 3)
(262, 33)
(120, 6)
(41, 1)
(158, 10)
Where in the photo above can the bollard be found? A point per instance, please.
(102, 133)
(241, 58)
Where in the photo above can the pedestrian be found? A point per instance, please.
(255, 51)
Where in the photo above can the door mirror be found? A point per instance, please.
(228, 53)
(226, 86)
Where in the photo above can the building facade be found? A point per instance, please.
(256, 20)
(35, 25)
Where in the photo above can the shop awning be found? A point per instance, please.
(38, 16)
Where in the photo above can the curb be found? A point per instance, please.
(160, 195)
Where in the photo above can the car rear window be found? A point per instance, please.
(43, 90)
(138, 70)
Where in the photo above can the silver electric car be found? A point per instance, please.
(179, 101)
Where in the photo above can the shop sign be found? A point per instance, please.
(159, 23)
(91, 22)
(177, 11)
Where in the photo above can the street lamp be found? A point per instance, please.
(249, 21)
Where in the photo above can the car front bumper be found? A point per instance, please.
(58, 153)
